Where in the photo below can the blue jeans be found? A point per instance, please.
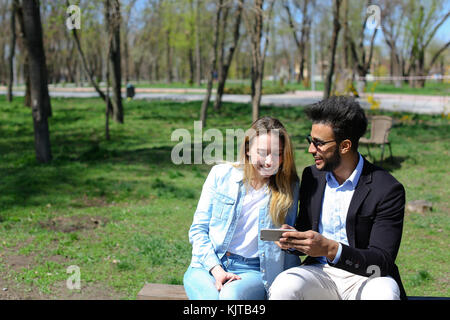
(200, 284)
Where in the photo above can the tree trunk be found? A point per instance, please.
(303, 39)
(256, 100)
(225, 66)
(395, 69)
(198, 73)
(221, 54)
(334, 42)
(420, 71)
(12, 50)
(256, 34)
(305, 29)
(346, 35)
(258, 55)
(126, 57)
(26, 74)
(395, 63)
(22, 48)
(71, 65)
(361, 60)
(107, 109)
(205, 103)
(169, 58)
(87, 71)
(41, 108)
(113, 25)
(191, 66)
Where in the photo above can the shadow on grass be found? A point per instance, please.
(389, 164)
(96, 173)
(86, 168)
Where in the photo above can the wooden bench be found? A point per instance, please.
(158, 291)
(427, 298)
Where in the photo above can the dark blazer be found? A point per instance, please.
(374, 220)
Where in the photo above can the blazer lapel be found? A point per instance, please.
(316, 201)
(361, 192)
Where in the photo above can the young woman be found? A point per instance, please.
(229, 261)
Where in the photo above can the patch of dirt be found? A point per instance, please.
(87, 291)
(91, 202)
(17, 262)
(58, 259)
(74, 223)
(10, 289)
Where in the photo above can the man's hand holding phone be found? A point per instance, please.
(285, 236)
(309, 242)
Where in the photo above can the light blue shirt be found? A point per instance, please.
(336, 201)
(217, 215)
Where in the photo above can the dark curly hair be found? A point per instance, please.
(343, 114)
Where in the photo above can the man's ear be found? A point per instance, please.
(345, 146)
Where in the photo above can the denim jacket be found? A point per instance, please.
(216, 217)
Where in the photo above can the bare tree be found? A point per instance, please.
(254, 20)
(108, 99)
(198, 64)
(333, 45)
(41, 108)
(4, 10)
(12, 50)
(213, 57)
(225, 60)
(112, 19)
(23, 48)
(393, 24)
(304, 33)
(89, 73)
(361, 59)
(126, 30)
(423, 26)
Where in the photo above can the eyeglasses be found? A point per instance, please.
(317, 144)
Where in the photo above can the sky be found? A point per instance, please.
(442, 35)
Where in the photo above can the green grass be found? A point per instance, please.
(121, 210)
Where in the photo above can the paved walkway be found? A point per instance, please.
(394, 102)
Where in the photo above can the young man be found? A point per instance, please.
(350, 219)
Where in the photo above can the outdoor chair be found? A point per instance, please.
(380, 127)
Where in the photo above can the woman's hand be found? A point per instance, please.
(222, 277)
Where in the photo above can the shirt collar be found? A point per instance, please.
(237, 174)
(352, 180)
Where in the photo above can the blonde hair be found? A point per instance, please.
(280, 184)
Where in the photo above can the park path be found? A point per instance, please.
(424, 104)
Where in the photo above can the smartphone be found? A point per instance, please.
(273, 234)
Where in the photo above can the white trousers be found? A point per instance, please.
(323, 282)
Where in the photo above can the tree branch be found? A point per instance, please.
(436, 29)
(437, 54)
(291, 24)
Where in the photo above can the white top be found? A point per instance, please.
(245, 237)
